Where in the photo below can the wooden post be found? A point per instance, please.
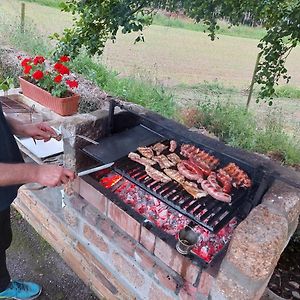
(22, 17)
(252, 81)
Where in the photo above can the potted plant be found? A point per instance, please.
(50, 85)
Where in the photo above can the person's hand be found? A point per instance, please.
(40, 131)
(52, 175)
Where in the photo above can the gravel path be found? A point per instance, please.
(32, 258)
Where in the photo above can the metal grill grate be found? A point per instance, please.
(206, 211)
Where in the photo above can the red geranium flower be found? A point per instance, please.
(60, 68)
(38, 74)
(64, 59)
(50, 77)
(57, 66)
(38, 60)
(64, 70)
(72, 83)
(25, 61)
(27, 69)
(58, 78)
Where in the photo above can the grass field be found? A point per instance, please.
(170, 55)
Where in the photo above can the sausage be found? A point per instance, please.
(216, 194)
(188, 171)
(201, 165)
(212, 179)
(226, 183)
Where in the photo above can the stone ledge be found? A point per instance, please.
(257, 243)
(285, 199)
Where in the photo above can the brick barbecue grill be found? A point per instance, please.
(167, 208)
(118, 229)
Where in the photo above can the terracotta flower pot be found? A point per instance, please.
(62, 106)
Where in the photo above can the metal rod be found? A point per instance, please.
(92, 170)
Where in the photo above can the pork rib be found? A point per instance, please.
(173, 157)
(159, 148)
(175, 175)
(146, 151)
(163, 161)
(157, 175)
(141, 160)
(193, 190)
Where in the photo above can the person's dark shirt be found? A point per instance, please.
(9, 153)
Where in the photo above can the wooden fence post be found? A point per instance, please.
(253, 79)
(22, 17)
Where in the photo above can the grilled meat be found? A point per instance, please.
(217, 194)
(187, 150)
(201, 166)
(141, 160)
(193, 190)
(188, 171)
(173, 157)
(163, 161)
(157, 175)
(159, 148)
(173, 146)
(175, 175)
(146, 151)
(238, 176)
(200, 157)
(212, 179)
(225, 181)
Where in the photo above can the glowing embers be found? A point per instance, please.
(164, 217)
(210, 244)
(151, 208)
(110, 181)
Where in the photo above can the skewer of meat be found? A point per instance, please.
(157, 175)
(141, 160)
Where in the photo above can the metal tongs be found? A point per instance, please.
(94, 169)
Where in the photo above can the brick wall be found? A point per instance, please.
(149, 266)
(119, 258)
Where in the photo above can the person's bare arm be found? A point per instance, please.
(48, 175)
(39, 131)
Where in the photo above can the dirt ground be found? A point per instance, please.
(32, 258)
(285, 281)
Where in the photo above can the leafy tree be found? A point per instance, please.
(96, 21)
